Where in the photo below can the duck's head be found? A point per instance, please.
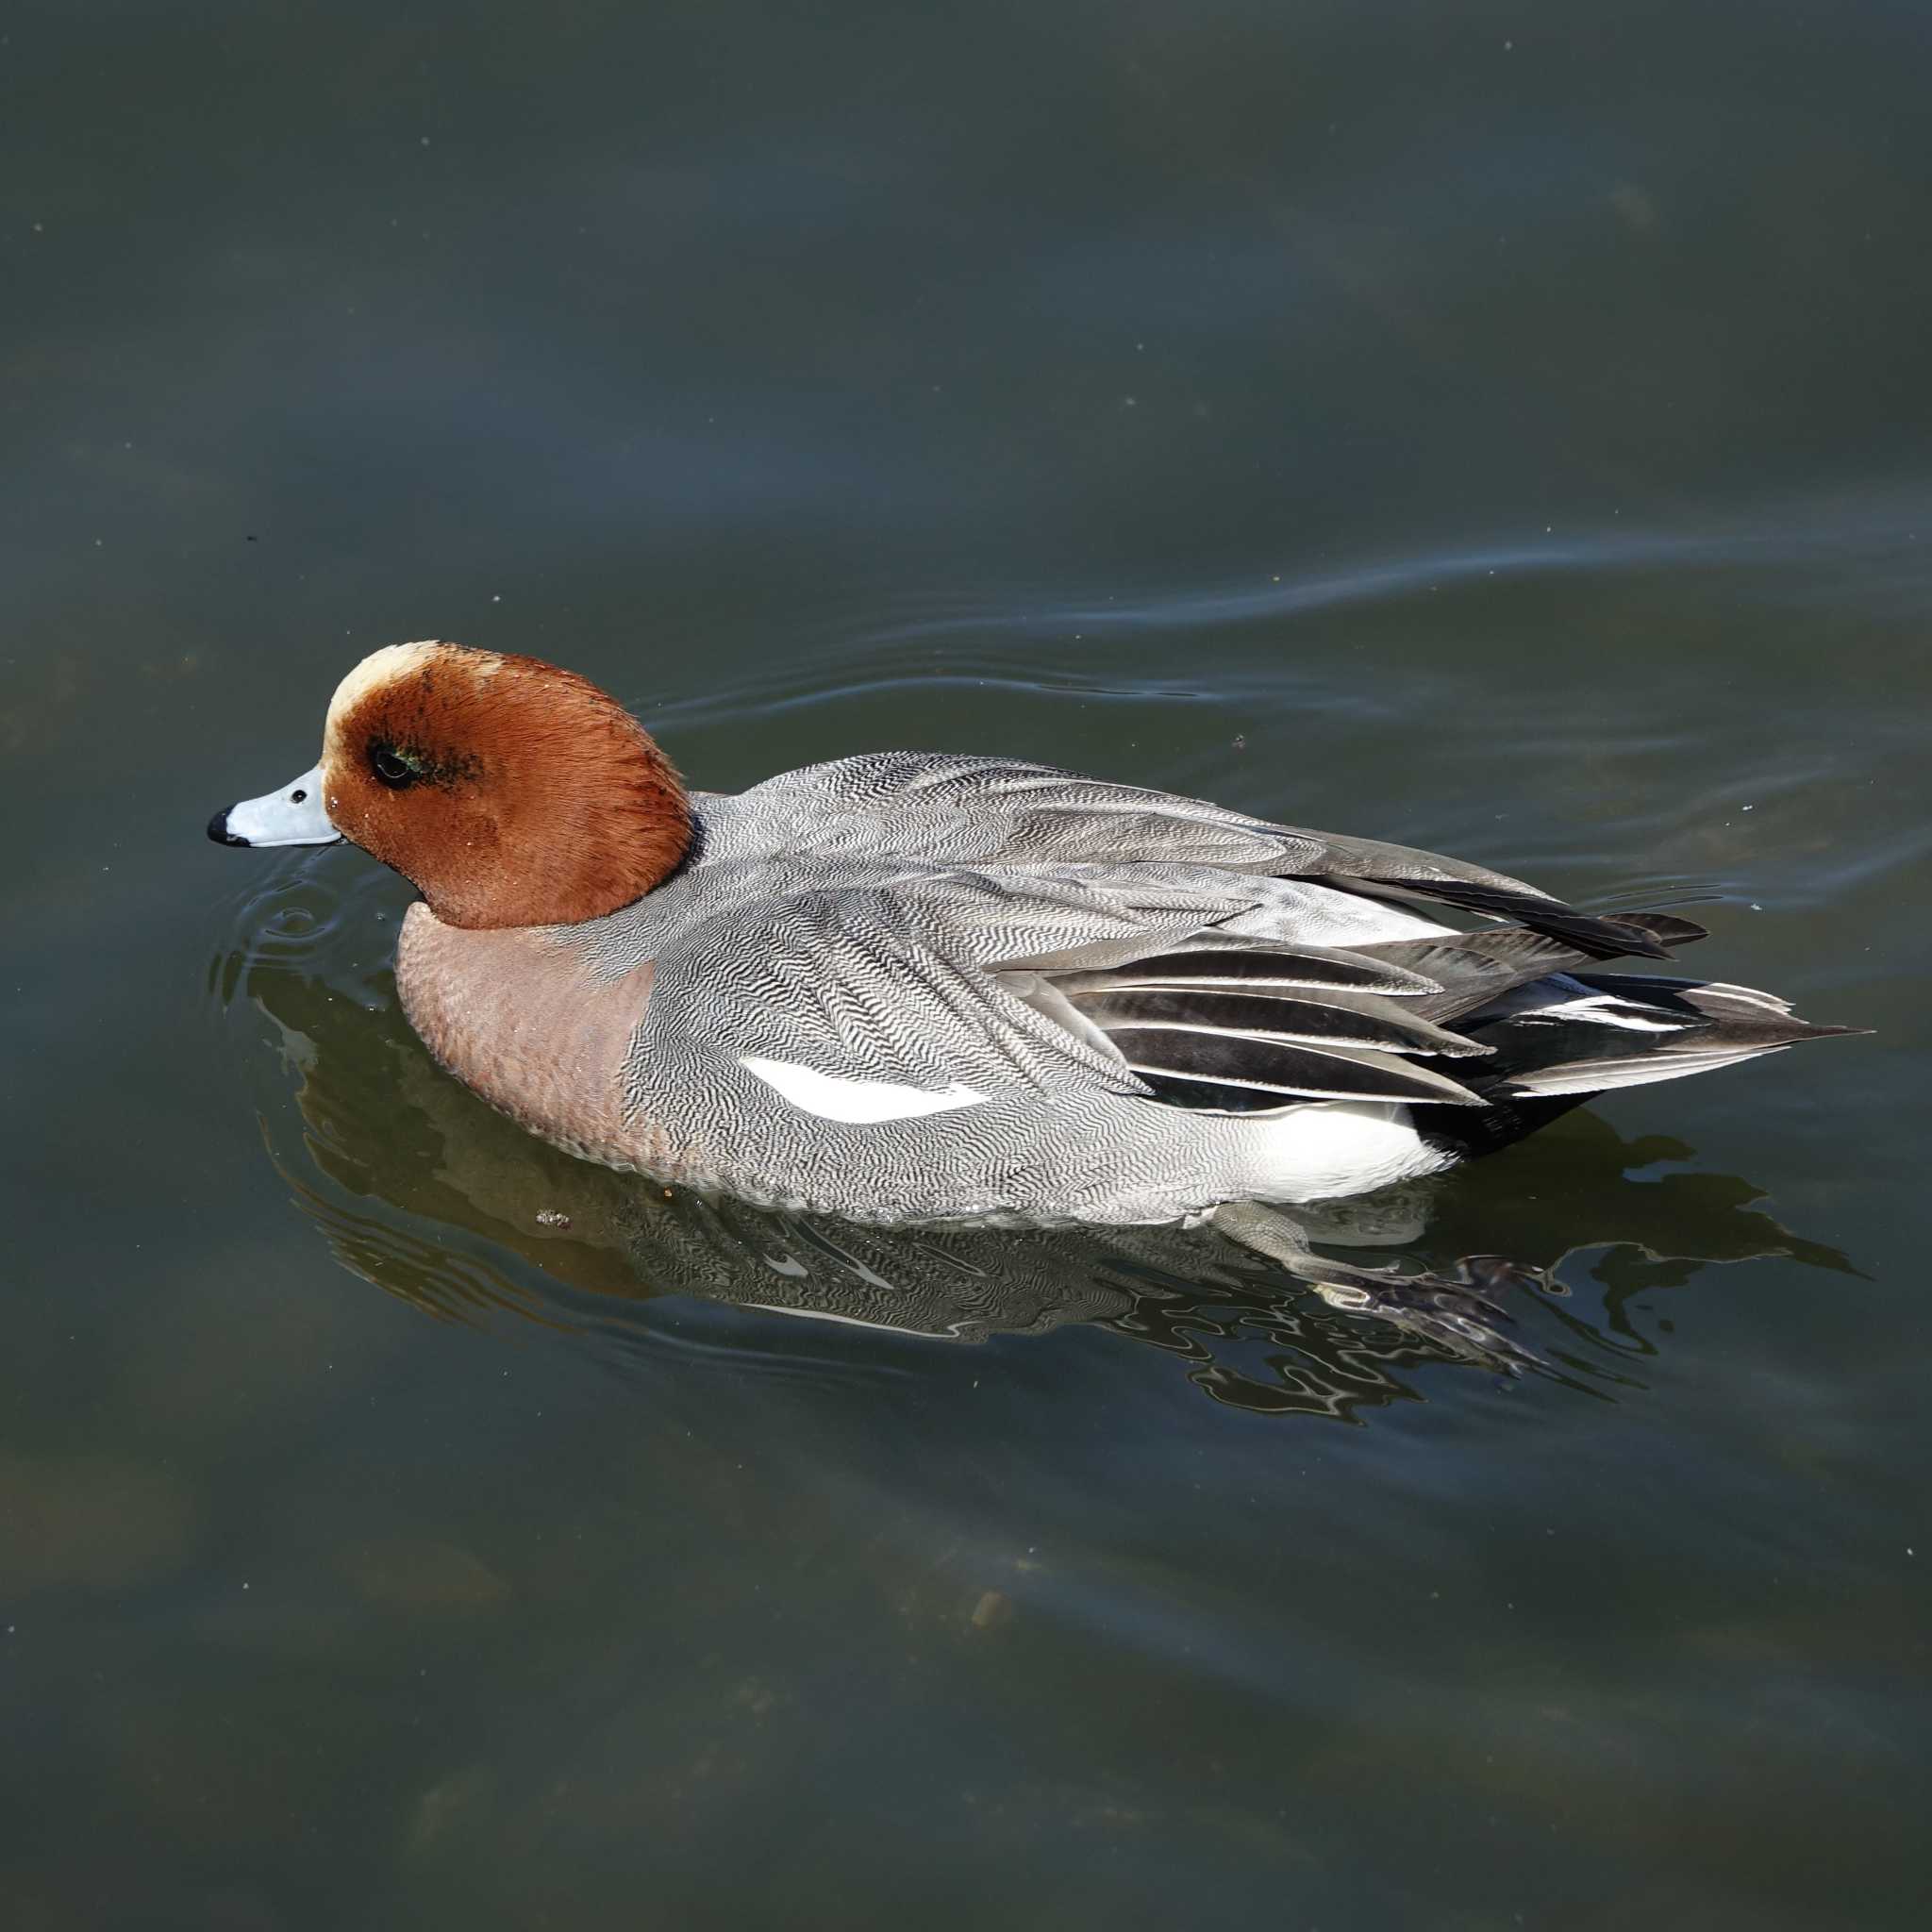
(506, 791)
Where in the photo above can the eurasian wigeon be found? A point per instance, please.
(924, 986)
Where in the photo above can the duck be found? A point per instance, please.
(930, 987)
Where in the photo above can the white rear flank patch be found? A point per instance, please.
(1337, 1147)
(857, 1101)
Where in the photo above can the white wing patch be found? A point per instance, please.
(858, 1101)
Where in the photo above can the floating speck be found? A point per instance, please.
(993, 1607)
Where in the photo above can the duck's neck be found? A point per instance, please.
(570, 855)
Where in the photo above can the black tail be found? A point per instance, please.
(1556, 1041)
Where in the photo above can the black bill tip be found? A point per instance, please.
(218, 829)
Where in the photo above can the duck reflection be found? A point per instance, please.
(425, 1191)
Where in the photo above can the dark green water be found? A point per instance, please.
(1501, 428)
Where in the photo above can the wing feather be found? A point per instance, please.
(1366, 1022)
(1291, 1071)
(1007, 811)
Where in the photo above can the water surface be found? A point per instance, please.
(1491, 428)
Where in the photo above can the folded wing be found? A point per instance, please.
(1005, 811)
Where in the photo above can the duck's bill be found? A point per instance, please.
(295, 815)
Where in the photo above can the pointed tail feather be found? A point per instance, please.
(1628, 1031)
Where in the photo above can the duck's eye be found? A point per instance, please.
(391, 766)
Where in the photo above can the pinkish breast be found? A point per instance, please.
(519, 1017)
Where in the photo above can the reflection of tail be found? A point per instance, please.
(1554, 1038)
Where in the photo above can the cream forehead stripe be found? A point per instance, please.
(393, 664)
